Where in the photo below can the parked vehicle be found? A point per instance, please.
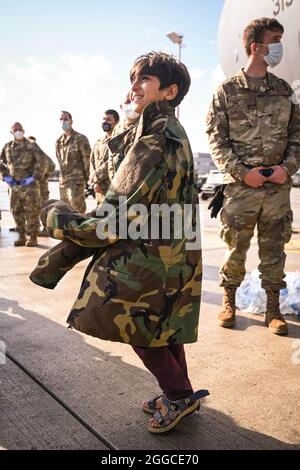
(296, 179)
(200, 181)
(214, 179)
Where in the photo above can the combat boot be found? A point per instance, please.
(273, 319)
(21, 241)
(32, 241)
(43, 233)
(227, 315)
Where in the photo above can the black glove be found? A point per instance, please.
(216, 203)
(89, 191)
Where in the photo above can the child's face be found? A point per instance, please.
(145, 90)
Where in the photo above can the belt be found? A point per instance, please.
(250, 167)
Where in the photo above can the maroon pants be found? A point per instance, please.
(169, 366)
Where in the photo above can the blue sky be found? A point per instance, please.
(77, 55)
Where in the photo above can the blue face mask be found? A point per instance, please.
(275, 54)
(66, 125)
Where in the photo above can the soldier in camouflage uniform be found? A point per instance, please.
(99, 176)
(44, 186)
(22, 167)
(73, 154)
(254, 134)
(146, 291)
(49, 169)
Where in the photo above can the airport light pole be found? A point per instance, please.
(177, 39)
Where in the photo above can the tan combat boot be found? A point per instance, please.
(21, 241)
(227, 315)
(32, 241)
(273, 319)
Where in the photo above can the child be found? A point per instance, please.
(145, 291)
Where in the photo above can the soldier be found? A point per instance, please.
(99, 177)
(254, 135)
(130, 119)
(22, 169)
(141, 291)
(44, 186)
(73, 153)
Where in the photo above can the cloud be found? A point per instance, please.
(197, 73)
(34, 92)
(217, 76)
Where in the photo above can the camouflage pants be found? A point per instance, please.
(72, 193)
(25, 205)
(269, 210)
(44, 188)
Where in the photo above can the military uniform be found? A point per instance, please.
(251, 125)
(44, 187)
(99, 166)
(21, 160)
(141, 292)
(73, 154)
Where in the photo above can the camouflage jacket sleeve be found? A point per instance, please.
(86, 155)
(139, 176)
(98, 173)
(217, 128)
(48, 165)
(292, 153)
(3, 164)
(40, 164)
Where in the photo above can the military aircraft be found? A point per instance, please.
(235, 17)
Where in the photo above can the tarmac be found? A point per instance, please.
(253, 376)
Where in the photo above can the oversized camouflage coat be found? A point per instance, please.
(143, 292)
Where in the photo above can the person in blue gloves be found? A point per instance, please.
(22, 166)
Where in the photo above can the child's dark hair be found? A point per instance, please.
(167, 69)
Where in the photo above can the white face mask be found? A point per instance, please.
(19, 135)
(275, 54)
(129, 112)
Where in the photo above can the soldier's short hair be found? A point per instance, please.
(167, 69)
(255, 31)
(69, 114)
(16, 124)
(114, 113)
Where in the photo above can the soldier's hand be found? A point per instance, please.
(280, 175)
(98, 189)
(254, 179)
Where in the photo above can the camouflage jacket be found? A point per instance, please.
(99, 163)
(73, 154)
(50, 167)
(249, 128)
(22, 160)
(144, 292)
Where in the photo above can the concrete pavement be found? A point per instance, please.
(253, 376)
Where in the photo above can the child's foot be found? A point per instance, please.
(153, 405)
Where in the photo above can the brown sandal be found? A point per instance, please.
(150, 408)
(176, 411)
